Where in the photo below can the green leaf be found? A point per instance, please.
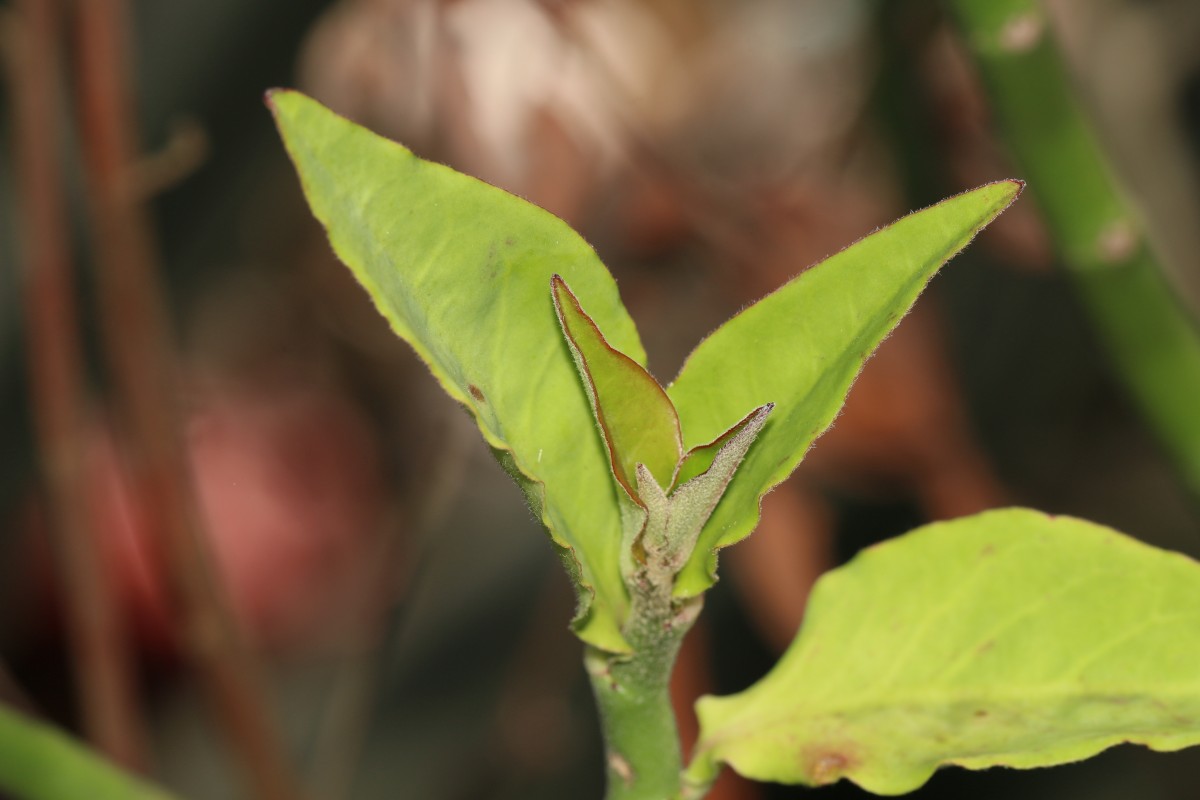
(692, 503)
(1010, 638)
(635, 416)
(673, 523)
(460, 270)
(801, 348)
(700, 458)
(38, 762)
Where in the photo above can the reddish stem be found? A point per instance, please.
(136, 337)
(96, 634)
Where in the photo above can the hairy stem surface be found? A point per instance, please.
(642, 749)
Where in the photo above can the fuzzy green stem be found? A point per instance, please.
(1151, 338)
(642, 749)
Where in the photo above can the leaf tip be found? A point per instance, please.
(272, 96)
(1013, 188)
(559, 290)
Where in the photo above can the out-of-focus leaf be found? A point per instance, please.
(636, 418)
(460, 270)
(801, 348)
(37, 762)
(1009, 638)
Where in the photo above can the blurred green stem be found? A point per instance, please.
(1150, 336)
(39, 763)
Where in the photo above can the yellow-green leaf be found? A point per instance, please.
(460, 270)
(1010, 638)
(801, 348)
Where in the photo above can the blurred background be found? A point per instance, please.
(247, 546)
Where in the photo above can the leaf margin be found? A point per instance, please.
(700, 573)
(597, 620)
(830, 756)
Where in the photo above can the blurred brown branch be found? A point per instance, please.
(98, 642)
(136, 338)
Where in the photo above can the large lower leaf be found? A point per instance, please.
(38, 762)
(801, 348)
(1010, 638)
(462, 272)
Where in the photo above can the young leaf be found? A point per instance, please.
(636, 418)
(672, 523)
(700, 458)
(38, 762)
(694, 500)
(801, 348)
(1009, 638)
(460, 271)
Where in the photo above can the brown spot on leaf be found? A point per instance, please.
(828, 766)
(494, 262)
(981, 713)
(476, 393)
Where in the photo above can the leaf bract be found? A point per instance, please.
(636, 418)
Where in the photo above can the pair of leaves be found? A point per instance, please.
(1009, 638)
(461, 269)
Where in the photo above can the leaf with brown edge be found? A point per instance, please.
(693, 501)
(700, 458)
(636, 418)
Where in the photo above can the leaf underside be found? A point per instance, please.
(1010, 638)
(801, 348)
(700, 458)
(461, 270)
